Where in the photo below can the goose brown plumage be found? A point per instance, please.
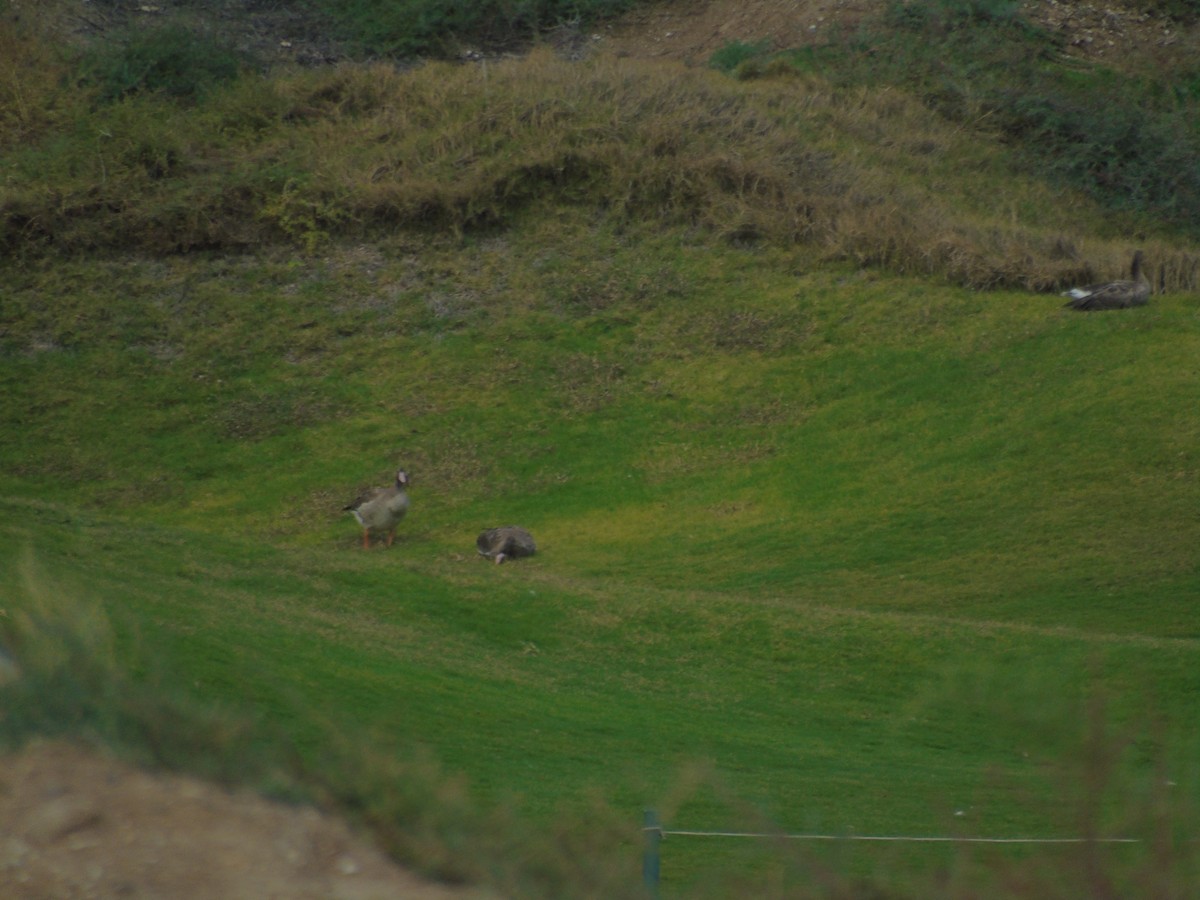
(1113, 294)
(381, 509)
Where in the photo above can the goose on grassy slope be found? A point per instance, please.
(505, 542)
(381, 509)
(1113, 294)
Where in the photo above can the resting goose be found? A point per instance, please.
(381, 509)
(1113, 294)
(506, 542)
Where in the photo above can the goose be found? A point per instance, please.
(1113, 294)
(381, 509)
(506, 542)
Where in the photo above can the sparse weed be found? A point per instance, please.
(303, 218)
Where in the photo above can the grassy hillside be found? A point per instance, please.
(862, 546)
(845, 524)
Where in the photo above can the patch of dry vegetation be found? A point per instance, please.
(31, 98)
(861, 174)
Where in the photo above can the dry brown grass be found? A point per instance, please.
(865, 175)
(31, 72)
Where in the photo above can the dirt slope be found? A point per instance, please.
(76, 824)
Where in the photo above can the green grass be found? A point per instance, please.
(862, 548)
(844, 523)
(813, 716)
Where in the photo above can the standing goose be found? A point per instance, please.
(381, 509)
(1113, 294)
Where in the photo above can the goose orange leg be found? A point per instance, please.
(366, 539)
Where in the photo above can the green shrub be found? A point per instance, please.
(1105, 140)
(736, 53)
(918, 15)
(1129, 142)
(171, 60)
(435, 27)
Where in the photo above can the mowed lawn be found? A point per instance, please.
(820, 549)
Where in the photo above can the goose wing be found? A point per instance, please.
(365, 497)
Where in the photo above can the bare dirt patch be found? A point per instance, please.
(690, 32)
(75, 823)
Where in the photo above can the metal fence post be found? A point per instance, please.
(652, 837)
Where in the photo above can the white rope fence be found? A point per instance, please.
(654, 834)
(664, 832)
